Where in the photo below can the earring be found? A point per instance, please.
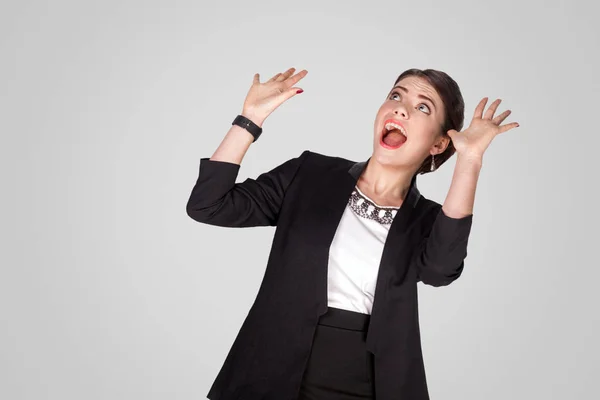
(432, 163)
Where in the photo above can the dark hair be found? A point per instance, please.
(454, 109)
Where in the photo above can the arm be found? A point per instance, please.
(217, 200)
(461, 195)
(439, 260)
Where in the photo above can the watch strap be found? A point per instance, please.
(247, 124)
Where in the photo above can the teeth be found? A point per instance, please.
(391, 125)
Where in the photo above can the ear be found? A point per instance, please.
(440, 145)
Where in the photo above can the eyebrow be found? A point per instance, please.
(421, 96)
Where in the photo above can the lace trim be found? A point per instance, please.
(366, 208)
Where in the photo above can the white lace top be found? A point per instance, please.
(355, 253)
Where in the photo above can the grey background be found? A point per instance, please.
(108, 290)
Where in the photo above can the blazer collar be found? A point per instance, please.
(413, 193)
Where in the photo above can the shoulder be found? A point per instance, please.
(429, 204)
(316, 160)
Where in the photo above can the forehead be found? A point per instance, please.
(417, 85)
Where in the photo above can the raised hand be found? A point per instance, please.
(473, 141)
(264, 98)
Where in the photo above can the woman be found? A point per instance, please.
(336, 316)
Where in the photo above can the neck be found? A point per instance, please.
(387, 182)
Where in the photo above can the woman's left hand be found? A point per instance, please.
(473, 141)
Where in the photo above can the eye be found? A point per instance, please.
(422, 104)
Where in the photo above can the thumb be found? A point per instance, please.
(292, 92)
(256, 78)
(451, 132)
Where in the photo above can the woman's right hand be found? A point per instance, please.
(264, 98)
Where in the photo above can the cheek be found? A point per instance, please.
(420, 145)
(428, 132)
(421, 142)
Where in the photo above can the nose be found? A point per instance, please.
(401, 110)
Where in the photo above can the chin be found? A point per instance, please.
(400, 156)
(386, 157)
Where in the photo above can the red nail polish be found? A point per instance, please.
(299, 91)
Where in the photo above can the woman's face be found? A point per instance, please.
(421, 119)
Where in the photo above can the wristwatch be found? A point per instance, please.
(250, 126)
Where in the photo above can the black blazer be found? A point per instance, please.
(304, 198)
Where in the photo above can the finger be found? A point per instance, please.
(498, 120)
(256, 78)
(294, 79)
(493, 107)
(274, 77)
(508, 127)
(285, 75)
(479, 109)
(280, 76)
(291, 92)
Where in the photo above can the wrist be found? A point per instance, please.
(254, 118)
(252, 126)
(469, 164)
(472, 159)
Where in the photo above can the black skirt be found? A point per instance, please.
(339, 366)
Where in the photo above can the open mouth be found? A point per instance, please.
(392, 137)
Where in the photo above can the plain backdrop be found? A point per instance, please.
(108, 290)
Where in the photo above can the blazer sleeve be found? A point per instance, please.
(439, 259)
(217, 199)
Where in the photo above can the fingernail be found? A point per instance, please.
(299, 91)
